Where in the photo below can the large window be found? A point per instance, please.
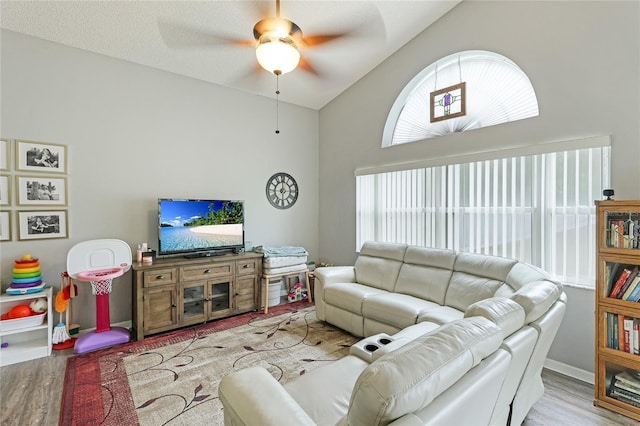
(536, 208)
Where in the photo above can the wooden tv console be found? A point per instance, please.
(177, 292)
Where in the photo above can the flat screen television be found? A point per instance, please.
(200, 228)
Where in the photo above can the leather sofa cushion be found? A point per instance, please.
(441, 315)
(502, 311)
(392, 251)
(477, 277)
(482, 265)
(410, 377)
(465, 289)
(537, 297)
(521, 274)
(324, 393)
(426, 273)
(378, 264)
(396, 309)
(349, 296)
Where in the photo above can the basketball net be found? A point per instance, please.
(101, 287)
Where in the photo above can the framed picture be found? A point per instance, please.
(4, 154)
(41, 191)
(41, 157)
(38, 225)
(449, 102)
(5, 195)
(5, 226)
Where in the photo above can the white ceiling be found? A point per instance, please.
(185, 37)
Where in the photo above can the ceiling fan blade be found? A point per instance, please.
(177, 35)
(370, 25)
(317, 40)
(308, 67)
(254, 78)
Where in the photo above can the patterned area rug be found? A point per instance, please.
(172, 379)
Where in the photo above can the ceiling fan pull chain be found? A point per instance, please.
(277, 102)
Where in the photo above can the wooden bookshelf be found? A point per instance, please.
(617, 368)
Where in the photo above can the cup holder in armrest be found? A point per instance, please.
(365, 348)
(385, 340)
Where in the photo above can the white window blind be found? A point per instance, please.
(535, 208)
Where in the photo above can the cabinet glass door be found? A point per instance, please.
(622, 280)
(621, 333)
(193, 303)
(622, 385)
(220, 298)
(622, 230)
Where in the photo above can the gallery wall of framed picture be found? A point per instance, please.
(34, 194)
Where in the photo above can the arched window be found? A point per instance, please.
(464, 91)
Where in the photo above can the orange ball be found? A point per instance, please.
(19, 311)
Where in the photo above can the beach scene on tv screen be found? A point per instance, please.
(193, 225)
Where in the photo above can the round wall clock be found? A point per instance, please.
(282, 190)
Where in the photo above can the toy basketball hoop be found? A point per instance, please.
(100, 280)
(99, 262)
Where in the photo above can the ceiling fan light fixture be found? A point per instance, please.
(277, 55)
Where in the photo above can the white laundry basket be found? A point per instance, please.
(275, 288)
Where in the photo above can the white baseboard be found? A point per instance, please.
(569, 370)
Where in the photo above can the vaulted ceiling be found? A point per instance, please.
(213, 40)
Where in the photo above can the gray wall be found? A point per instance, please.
(135, 134)
(583, 61)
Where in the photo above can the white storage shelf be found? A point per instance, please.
(26, 343)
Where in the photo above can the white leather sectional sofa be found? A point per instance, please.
(450, 338)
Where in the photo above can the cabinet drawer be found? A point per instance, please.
(203, 272)
(247, 267)
(157, 277)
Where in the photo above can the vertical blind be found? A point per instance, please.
(536, 208)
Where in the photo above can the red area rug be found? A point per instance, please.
(173, 378)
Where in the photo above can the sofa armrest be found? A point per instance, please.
(328, 275)
(336, 274)
(537, 298)
(252, 396)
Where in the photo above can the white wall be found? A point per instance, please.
(135, 134)
(583, 59)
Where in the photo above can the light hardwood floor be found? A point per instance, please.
(30, 394)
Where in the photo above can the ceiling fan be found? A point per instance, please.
(278, 41)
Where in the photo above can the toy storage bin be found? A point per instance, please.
(18, 323)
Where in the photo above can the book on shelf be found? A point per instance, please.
(629, 379)
(614, 331)
(621, 336)
(619, 395)
(623, 333)
(620, 282)
(625, 387)
(609, 319)
(623, 233)
(627, 325)
(635, 294)
(626, 390)
(632, 286)
(632, 276)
